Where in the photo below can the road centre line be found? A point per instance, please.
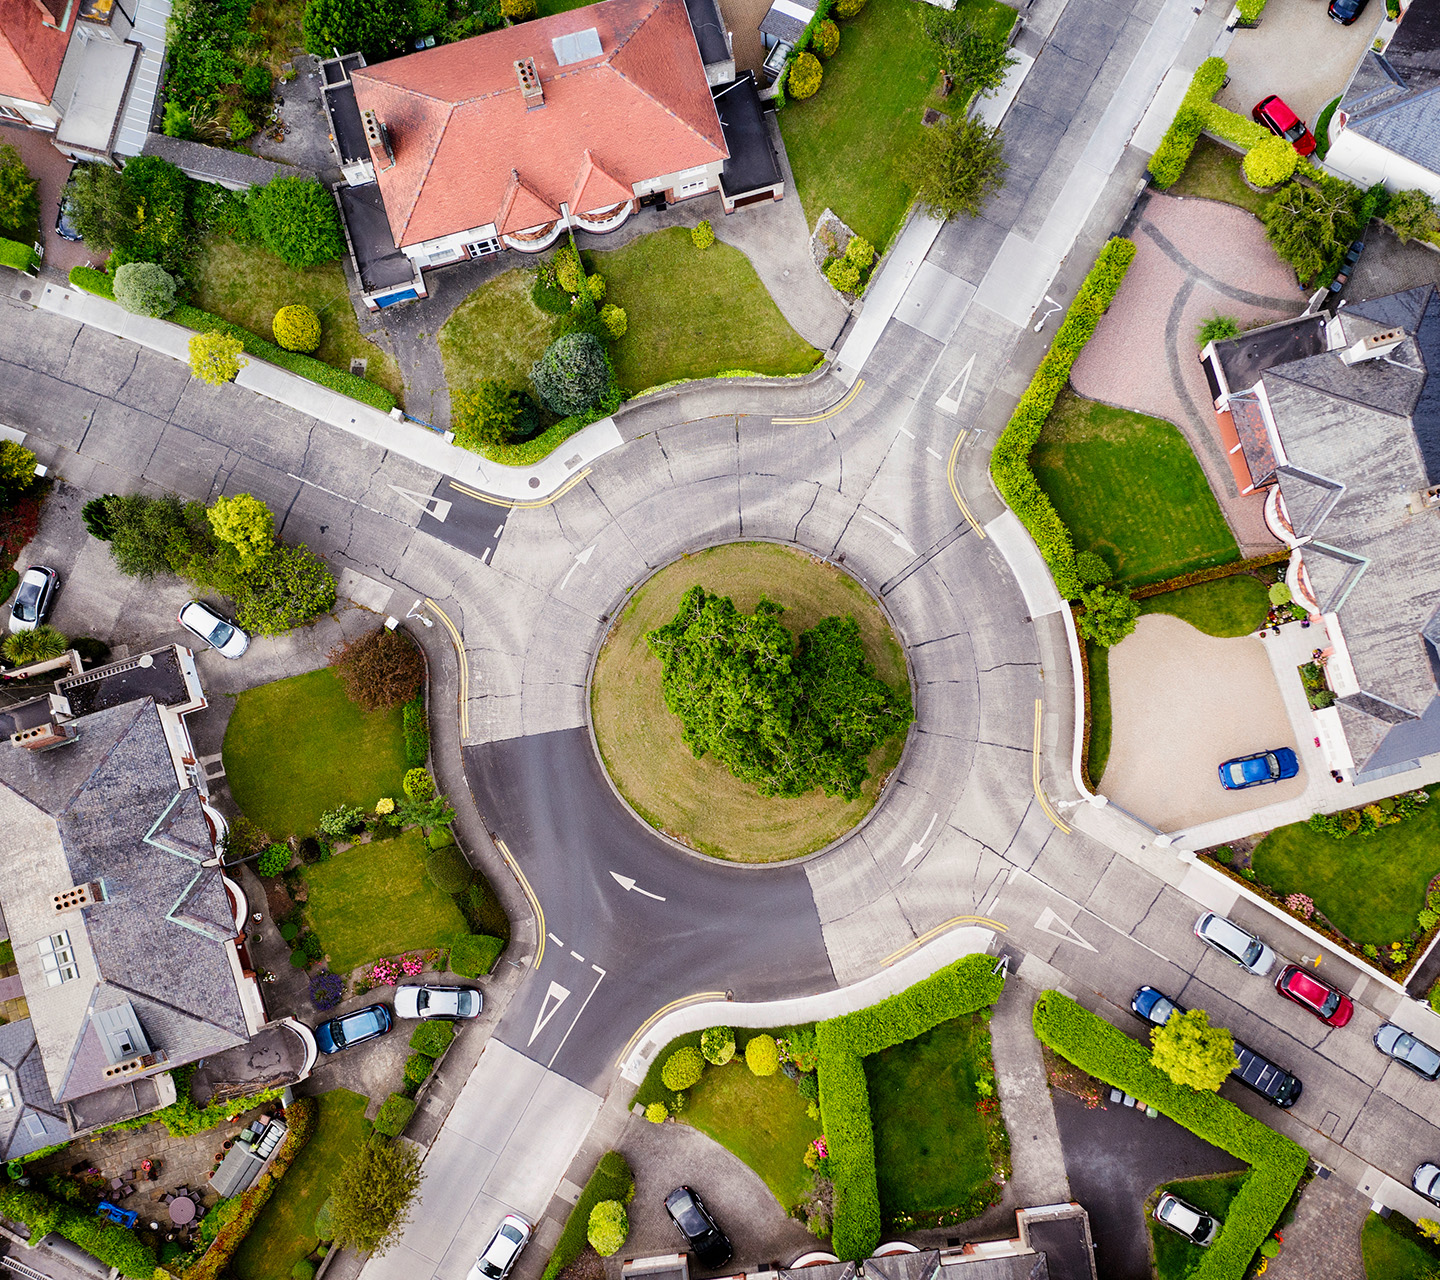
(578, 956)
(933, 454)
(1035, 775)
(955, 488)
(522, 506)
(953, 923)
(843, 403)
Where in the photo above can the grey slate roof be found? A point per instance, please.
(1394, 98)
(35, 1120)
(216, 164)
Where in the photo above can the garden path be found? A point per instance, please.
(1324, 1239)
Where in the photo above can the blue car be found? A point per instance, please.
(1154, 1007)
(353, 1028)
(1256, 770)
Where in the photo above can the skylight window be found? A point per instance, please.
(57, 957)
(576, 47)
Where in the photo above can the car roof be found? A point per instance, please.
(1302, 984)
(1227, 933)
(1182, 1215)
(1282, 114)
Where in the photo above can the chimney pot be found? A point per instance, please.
(531, 90)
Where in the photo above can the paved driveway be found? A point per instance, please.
(1182, 702)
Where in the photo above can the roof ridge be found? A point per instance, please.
(414, 202)
(1330, 391)
(650, 97)
(137, 709)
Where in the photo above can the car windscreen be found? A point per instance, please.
(1272, 765)
(1252, 952)
(1296, 131)
(1332, 1002)
(220, 637)
(25, 601)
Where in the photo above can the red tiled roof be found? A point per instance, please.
(521, 208)
(595, 189)
(30, 52)
(458, 126)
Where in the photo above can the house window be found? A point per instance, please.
(482, 248)
(58, 958)
(693, 187)
(7, 1098)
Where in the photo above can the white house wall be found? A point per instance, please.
(1364, 162)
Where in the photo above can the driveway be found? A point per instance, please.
(1181, 702)
(1299, 53)
(52, 169)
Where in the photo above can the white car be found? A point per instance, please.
(1186, 1220)
(1235, 944)
(34, 598)
(504, 1247)
(219, 633)
(444, 1003)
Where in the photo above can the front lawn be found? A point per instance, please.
(246, 284)
(1395, 1250)
(1129, 487)
(1176, 1257)
(931, 1153)
(1214, 174)
(375, 900)
(297, 747)
(843, 142)
(1233, 606)
(497, 332)
(1370, 887)
(285, 1230)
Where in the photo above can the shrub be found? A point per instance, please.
(848, 8)
(595, 287)
(448, 869)
(843, 275)
(827, 39)
(702, 235)
(475, 954)
(241, 126)
(614, 319)
(612, 1180)
(762, 1056)
(517, 10)
(144, 288)
(418, 784)
(1093, 568)
(215, 357)
(327, 990)
(1109, 615)
(39, 644)
(289, 931)
(379, 669)
(683, 1068)
(297, 220)
(1411, 215)
(296, 328)
(1271, 162)
(860, 251)
(255, 80)
(303, 1270)
(573, 374)
(98, 521)
(805, 76)
(19, 193)
(417, 732)
(440, 837)
(1173, 153)
(1279, 593)
(717, 1045)
(609, 1225)
(432, 1038)
(273, 861)
(394, 1115)
(657, 1113)
(484, 415)
(1217, 329)
(342, 821)
(569, 274)
(417, 1067)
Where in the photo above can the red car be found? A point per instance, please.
(1279, 119)
(1327, 1004)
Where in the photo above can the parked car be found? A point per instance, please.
(353, 1028)
(505, 1245)
(34, 598)
(444, 1003)
(1395, 1042)
(1198, 1228)
(1280, 120)
(1346, 11)
(1273, 1083)
(64, 223)
(1234, 943)
(1426, 1180)
(1257, 770)
(1309, 992)
(217, 631)
(692, 1219)
(1153, 1007)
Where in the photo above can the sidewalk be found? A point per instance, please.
(1037, 1160)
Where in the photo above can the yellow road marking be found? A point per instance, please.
(955, 488)
(523, 506)
(953, 923)
(839, 406)
(464, 668)
(659, 1013)
(529, 893)
(1035, 773)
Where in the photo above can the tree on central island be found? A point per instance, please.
(782, 716)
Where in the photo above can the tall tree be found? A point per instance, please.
(973, 54)
(19, 195)
(370, 26)
(372, 1195)
(955, 167)
(245, 523)
(1192, 1052)
(1306, 223)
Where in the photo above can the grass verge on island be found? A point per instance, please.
(376, 900)
(1394, 1249)
(1175, 1256)
(699, 801)
(1097, 756)
(297, 747)
(284, 1233)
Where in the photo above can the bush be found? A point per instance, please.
(273, 861)
(289, 931)
(717, 1045)
(432, 1038)
(702, 235)
(297, 220)
(843, 275)
(326, 991)
(215, 357)
(609, 1225)
(417, 733)
(418, 1067)
(343, 821)
(303, 1270)
(441, 836)
(19, 194)
(1271, 162)
(255, 80)
(595, 287)
(573, 374)
(1093, 568)
(1411, 215)
(448, 869)
(1109, 615)
(1173, 153)
(418, 784)
(39, 644)
(827, 39)
(1217, 329)
(394, 1115)
(517, 10)
(848, 8)
(762, 1055)
(860, 251)
(1279, 593)
(296, 328)
(805, 75)
(379, 669)
(144, 288)
(657, 1113)
(475, 955)
(612, 1180)
(241, 126)
(484, 415)
(569, 274)
(614, 319)
(683, 1068)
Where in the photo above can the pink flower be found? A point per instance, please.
(821, 1149)
(412, 967)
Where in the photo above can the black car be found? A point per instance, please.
(64, 224)
(690, 1216)
(1346, 11)
(1153, 1007)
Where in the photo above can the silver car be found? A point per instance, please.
(1426, 1180)
(1395, 1042)
(443, 1003)
(1232, 942)
(504, 1247)
(34, 598)
(222, 635)
(1186, 1220)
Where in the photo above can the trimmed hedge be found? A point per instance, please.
(394, 1115)
(1277, 1163)
(418, 1067)
(1173, 153)
(20, 256)
(110, 1243)
(432, 1038)
(475, 954)
(1010, 460)
(612, 1180)
(841, 1043)
(1210, 575)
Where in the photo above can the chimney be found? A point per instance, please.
(1373, 346)
(530, 88)
(378, 137)
(50, 14)
(82, 895)
(45, 736)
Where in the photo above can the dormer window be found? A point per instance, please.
(7, 1095)
(57, 957)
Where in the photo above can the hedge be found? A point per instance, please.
(1277, 1164)
(1210, 575)
(612, 1180)
(1010, 460)
(432, 1038)
(841, 1043)
(20, 256)
(394, 1115)
(475, 955)
(1173, 153)
(110, 1243)
(346, 383)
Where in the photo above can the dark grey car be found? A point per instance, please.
(1395, 1042)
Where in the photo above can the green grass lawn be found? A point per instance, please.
(1129, 487)
(1232, 606)
(497, 332)
(694, 313)
(760, 1119)
(1176, 1257)
(1214, 173)
(1097, 658)
(246, 284)
(1370, 887)
(297, 747)
(843, 141)
(547, 7)
(1395, 1250)
(376, 900)
(285, 1230)
(930, 1149)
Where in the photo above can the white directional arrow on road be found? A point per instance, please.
(626, 883)
(559, 995)
(918, 847)
(582, 558)
(897, 538)
(951, 404)
(1050, 923)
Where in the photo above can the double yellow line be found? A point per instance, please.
(953, 923)
(530, 894)
(955, 488)
(1035, 774)
(698, 998)
(464, 668)
(838, 407)
(523, 506)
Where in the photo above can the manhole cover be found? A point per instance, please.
(24, 295)
(534, 482)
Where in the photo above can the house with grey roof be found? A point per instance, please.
(1339, 421)
(127, 934)
(1387, 127)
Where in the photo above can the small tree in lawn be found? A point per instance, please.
(296, 327)
(1109, 615)
(372, 1194)
(955, 167)
(1192, 1052)
(573, 374)
(215, 357)
(145, 288)
(380, 669)
(1306, 224)
(244, 523)
(296, 218)
(974, 55)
